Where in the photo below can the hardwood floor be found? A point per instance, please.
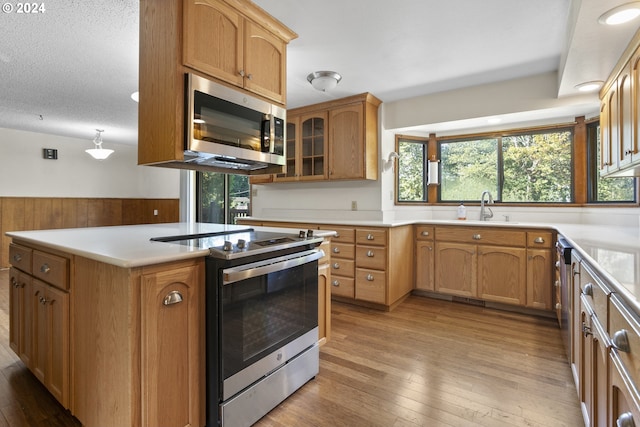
(427, 363)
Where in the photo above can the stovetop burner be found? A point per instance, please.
(229, 244)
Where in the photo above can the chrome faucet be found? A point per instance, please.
(483, 214)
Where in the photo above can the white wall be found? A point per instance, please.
(24, 173)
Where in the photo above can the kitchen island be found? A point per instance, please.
(102, 337)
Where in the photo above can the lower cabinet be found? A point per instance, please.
(39, 316)
(148, 359)
(424, 258)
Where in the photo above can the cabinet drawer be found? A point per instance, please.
(342, 250)
(20, 257)
(373, 257)
(370, 285)
(424, 232)
(342, 286)
(51, 268)
(625, 326)
(539, 239)
(484, 235)
(371, 236)
(596, 294)
(342, 267)
(344, 235)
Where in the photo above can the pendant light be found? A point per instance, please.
(98, 152)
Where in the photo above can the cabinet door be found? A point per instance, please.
(172, 347)
(623, 397)
(265, 58)
(313, 146)
(625, 100)
(502, 274)
(324, 302)
(213, 40)
(346, 142)
(539, 279)
(292, 152)
(424, 265)
(609, 116)
(586, 362)
(456, 269)
(21, 315)
(51, 337)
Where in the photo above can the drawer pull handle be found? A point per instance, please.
(173, 297)
(17, 257)
(335, 283)
(369, 236)
(538, 240)
(477, 237)
(14, 283)
(425, 233)
(337, 236)
(625, 420)
(557, 264)
(45, 268)
(336, 265)
(588, 289)
(43, 300)
(370, 277)
(370, 254)
(557, 283)
(558, 306)
(620, 341)
(586, 330)
(336, 250)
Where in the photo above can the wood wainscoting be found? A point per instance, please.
(41, 213)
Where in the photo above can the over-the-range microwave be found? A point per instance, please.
(231, 130)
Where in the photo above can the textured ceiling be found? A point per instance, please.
(72, 69)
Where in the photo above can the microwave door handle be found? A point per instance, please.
(265, 134)
(261, 268)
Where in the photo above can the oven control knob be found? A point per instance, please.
(228, 246)
(242, 243)
(302, 234)
(309, 233)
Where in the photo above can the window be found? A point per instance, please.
(605, 190)
(221, 198)
(412, 183)
(533, 167)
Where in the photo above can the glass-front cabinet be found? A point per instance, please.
(306, 148)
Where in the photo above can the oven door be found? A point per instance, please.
(267, 314)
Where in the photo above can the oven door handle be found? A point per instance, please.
(260, 268)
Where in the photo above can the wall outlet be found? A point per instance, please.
(155, 212)
(354, 205)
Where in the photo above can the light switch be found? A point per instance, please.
(49, 153)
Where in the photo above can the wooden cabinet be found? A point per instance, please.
(221, 42)
(306, 148)
(343, 266)
(485, 263)
(424, 258)
(172, 346)
(148, 357)
(540, 270)
(335, 140)
(231, 41)
(620, 116)
(39, 316)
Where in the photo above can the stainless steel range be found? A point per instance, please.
(261, 319)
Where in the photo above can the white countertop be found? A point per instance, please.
(129, 245)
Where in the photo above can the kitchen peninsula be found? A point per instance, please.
(115, 275)
(118, 331)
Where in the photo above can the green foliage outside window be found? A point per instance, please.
(468, 168)
(411, 171)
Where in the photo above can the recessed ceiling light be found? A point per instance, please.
(591, 86)
(621, 14)
(135, 96)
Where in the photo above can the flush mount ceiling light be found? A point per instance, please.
(621, 14)
(98, 152)
(324, 80)
(591, 86)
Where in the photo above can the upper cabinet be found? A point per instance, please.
(221, 42)
(335, 140)
(620, 116)
(233, 42)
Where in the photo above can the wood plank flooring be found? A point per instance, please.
(427, 363)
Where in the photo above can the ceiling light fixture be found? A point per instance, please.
(591, 86)
(324, 80)
(621, 14)
(98, 152)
